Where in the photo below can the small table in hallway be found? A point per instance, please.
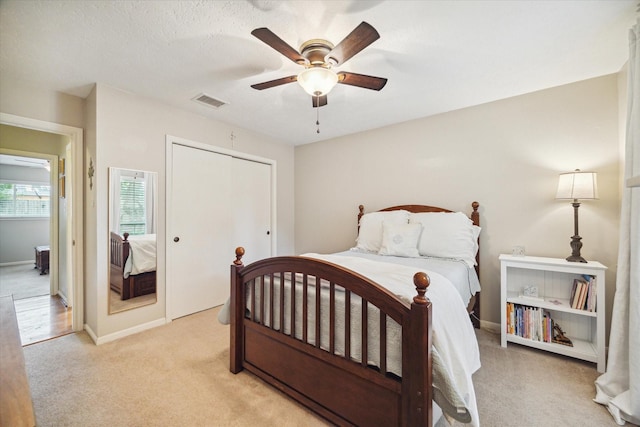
(42, 259)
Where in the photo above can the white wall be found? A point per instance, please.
(506, 155)
(128, 131)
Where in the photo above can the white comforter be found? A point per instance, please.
(142, 255)
(463, 278)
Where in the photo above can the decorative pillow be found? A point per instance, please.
(400, 240)
(370, 234)
(447, 235)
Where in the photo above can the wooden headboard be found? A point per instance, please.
(475, 218)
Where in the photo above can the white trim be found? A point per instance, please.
(76, 140)
(170, 141)
(124, 333)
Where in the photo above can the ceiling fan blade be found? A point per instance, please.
(274, 83)
(319, 101)
(361, 80)
(268, 37)
(362, 36)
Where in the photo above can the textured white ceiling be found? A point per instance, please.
(438, 55)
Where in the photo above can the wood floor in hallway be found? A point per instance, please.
(42, 318)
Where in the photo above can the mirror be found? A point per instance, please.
(133, 221)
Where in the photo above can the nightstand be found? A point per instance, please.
(536, 294)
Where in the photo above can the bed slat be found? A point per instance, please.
(318, 312)
(305, 309)
(365, 333)
(347, 325)
(383, 342)
(332, 318)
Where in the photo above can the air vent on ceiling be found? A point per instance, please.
(209, 100)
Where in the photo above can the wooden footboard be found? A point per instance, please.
(132, 286)
(290, 353)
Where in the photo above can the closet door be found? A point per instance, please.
(252, 208)
(202, 230)
(218, 202)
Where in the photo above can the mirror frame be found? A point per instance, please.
(139, 289)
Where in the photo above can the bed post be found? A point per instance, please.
(236, 305)
(417, 389)
(475, 217)
(127, 284)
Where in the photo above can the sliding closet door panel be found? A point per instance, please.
(202, 227)
(252, 208)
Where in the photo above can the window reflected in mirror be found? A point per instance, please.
(132, 238)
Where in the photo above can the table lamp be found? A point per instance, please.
(577, 186)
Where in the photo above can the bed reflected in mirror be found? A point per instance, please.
(132, 238)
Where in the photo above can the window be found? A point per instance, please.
(133, 217)
(20, 200)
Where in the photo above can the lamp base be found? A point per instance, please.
(576, 245)
(576, 259)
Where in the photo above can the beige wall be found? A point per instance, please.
(27, 100)
(506, 155)
(130, 133)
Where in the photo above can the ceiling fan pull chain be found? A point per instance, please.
(318, 113)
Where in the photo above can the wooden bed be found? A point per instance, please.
(134, 285)
(343, 391)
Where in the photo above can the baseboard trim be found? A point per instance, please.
(124, 333)
(9, 264)
(490, 326)
(92, 335)
(64, 299)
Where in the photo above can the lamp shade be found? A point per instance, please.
(578, 185)
(317, 81)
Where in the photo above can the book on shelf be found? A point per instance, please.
(583, 293)
(532, 323)
(591, 297)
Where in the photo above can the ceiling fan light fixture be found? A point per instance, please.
(317, 81)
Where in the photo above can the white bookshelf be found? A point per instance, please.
(554, 279)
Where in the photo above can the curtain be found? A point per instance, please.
(114, 199)
(150, 201)
(619, 387)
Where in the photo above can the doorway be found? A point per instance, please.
(29, 252)
(66, 264)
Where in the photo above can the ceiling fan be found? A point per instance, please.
(319, 56)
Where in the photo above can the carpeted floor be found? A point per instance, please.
(177, 375)
(23, 281)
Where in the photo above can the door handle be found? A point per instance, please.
(176, 239)
(268, 232)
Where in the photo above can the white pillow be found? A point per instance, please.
(400, 240)
(370, 234)
(447, 235)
